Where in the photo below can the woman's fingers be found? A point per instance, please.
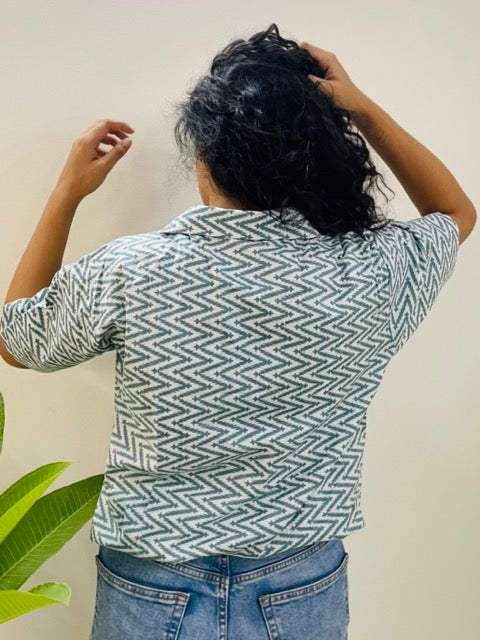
(328, 61)
(322, 55)
(113, 125)
(336, 82)
(321, 84)
(111, 139)
(309, 45)
(101, 128)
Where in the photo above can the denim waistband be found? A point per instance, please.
(214, 566)
(232, 564)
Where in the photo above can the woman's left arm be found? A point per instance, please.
(84, 171)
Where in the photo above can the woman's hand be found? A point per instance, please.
(87, 166)
(336, 83)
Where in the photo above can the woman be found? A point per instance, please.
(251, 334)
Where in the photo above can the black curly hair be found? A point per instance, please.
(272, 140)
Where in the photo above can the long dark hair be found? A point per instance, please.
(272, 140)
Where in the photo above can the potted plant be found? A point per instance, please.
(33, 527)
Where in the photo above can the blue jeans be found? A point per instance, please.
(301, 594)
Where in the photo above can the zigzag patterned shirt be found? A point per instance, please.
(247, 354)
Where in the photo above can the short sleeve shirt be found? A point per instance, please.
(420, 256)
(247, 351)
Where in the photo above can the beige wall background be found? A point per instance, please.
(414, 568)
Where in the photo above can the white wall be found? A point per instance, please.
(413, 569)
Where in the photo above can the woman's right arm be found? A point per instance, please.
(426, 180)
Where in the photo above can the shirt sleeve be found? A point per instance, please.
(78, 316)
(420, 256)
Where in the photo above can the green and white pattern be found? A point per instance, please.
(247, 354)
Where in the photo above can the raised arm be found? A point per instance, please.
(426, 180)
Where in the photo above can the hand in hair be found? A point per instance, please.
(336, 82)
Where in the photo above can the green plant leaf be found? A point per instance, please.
(16, 603)
(57, 590)
(2, 419)
(17, 499)
(45, 528)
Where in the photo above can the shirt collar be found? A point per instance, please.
(211, 221)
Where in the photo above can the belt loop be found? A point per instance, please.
(224, 565)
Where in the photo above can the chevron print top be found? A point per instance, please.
(247, 354)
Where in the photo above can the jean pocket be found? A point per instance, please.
(316, 611)
(128, 610)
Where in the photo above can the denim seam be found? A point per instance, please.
(280, 564)
(223, 599)
(270, 622)
(314, 587)
(204, 574)
(95, 613)
(147, 593)
(176, 620)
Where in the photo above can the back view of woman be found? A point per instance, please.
(251, 334)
